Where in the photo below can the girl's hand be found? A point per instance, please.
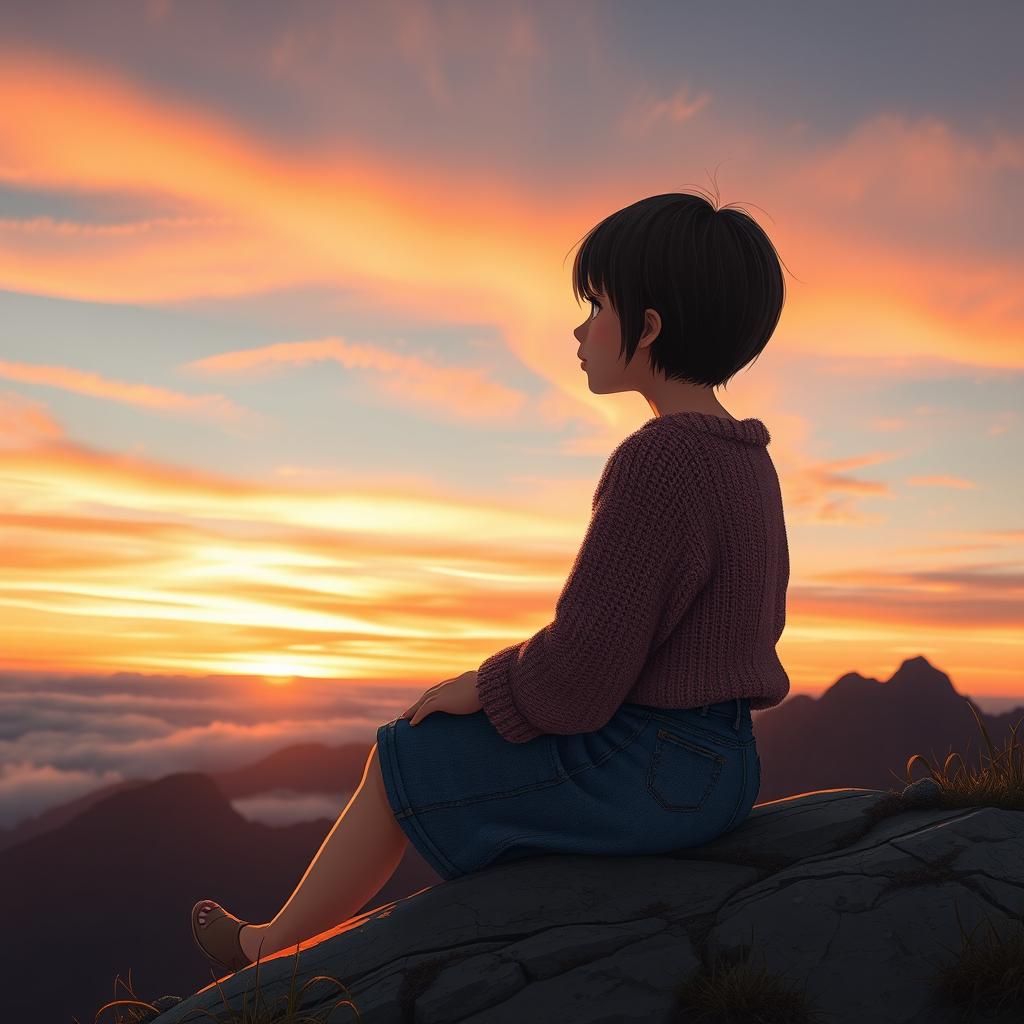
(457, 696)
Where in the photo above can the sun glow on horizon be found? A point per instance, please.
(279, 680)
(274, 671)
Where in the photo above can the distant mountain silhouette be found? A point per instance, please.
(105, 883)
(54, 817)
(302, 767)
(860, 731)
(112, 889)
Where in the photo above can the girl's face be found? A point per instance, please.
(599, 337)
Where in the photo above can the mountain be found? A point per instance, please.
(54, 817)
(860, 732)
(110, 885)
(112, 890)
(302, 767)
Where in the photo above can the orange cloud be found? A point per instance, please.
(115, 562)
(941, 480)
(644, 113)
(408, 378)
(200, 570)
(424, 240)
(24, 422)
(145, 395)
(421, 243)
(312, 219)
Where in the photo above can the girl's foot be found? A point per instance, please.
(223, 938)
(250, 937)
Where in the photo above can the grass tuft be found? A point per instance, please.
(731, 990)
(139, 1010)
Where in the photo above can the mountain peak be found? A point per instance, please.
(918, 677)
(192, 795)
(850, 685)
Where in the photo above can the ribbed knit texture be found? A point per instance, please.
(677, 596)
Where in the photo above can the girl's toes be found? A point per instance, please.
(201, 917)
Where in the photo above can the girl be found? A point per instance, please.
(622, 727)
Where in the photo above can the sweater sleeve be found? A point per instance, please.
(642, 541)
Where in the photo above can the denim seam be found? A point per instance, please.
(563, 776)
(558, 776)
(729, 741)
(740, 800)
(468, 801)
(407, 819)
(612, 750)
(492, 855)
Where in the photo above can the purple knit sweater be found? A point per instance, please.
(677, 597)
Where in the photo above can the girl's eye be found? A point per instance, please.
(595, 307)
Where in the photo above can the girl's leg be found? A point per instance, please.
(358, 856)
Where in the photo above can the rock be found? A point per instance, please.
(851, 895)
(924, 791)
(161, 1003)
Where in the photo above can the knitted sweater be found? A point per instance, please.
(677, 596)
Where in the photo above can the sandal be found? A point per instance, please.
(218, 936)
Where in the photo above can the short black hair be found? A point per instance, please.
(711, 272)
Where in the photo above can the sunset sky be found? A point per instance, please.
(288, 383)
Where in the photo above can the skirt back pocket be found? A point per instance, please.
(682, 774)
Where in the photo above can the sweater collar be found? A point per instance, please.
(749, 431)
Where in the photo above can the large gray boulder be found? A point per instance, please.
(853, 897)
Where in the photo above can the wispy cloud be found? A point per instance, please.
(47, 228)
(408, 378)
(646, 111)
(941, 480)
(137, 564)
(148, 396)
(260, 217)
(25, 422)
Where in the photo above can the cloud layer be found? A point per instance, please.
(64, 736)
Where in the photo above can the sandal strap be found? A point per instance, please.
(236, 956)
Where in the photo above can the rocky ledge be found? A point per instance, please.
(855, 897)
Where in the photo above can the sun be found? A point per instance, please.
(275, 671)
(278, 680)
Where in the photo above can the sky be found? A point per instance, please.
(288, 383)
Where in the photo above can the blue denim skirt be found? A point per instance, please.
(651, 781)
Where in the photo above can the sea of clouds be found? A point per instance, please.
(62, 736)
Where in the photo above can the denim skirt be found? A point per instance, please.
(652, 780)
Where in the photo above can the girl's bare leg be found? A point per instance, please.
(358, 856)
